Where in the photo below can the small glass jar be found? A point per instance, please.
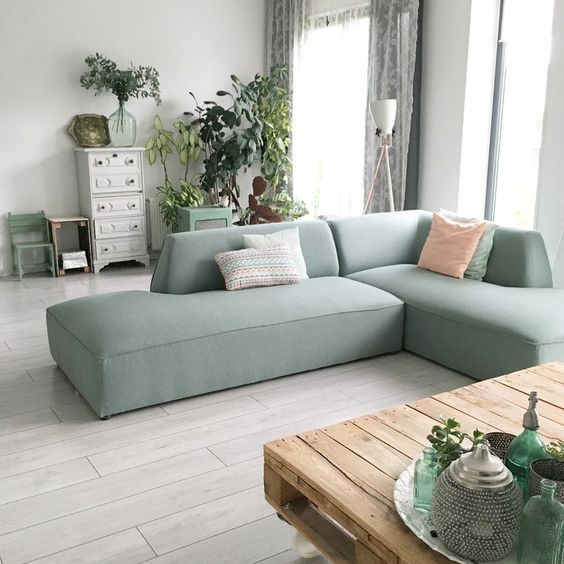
(541, 535)
(427, 471)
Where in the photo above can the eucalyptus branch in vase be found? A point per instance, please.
(103, 75)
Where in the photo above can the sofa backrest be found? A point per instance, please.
(518, 258)
(186, 264)
(378, 239)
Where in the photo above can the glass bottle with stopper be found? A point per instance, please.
(525, 448)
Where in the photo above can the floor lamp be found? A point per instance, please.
(383, 114)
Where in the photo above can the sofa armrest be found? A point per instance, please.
(519, 259)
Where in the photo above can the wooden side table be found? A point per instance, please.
(83, 224)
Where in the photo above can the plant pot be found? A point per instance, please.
(122, 127)
(550, 469)
(499, 443)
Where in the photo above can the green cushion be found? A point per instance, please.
(186, 262)
(478, 328)
(141, 348)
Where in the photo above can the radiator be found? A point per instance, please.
(157, 229)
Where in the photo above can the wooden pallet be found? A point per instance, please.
(335, 485)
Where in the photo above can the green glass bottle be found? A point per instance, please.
(541, 536)
(427, 471)
(525, 448)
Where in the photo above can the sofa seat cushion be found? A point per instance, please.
(468, 324)
(123, 322)
(142, 348)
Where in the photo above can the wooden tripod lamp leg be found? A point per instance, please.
(374, 180)
(389, 173)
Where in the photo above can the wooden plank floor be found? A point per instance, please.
(175, 483)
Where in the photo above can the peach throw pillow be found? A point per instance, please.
(450, 246)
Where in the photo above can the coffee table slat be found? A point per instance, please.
(399, 442)
(438, 411)
(525, 381)
(355, 468)
(509, 412)
(408, 422)
(553, 370)
(483, 413)
(369, 447)
(505, 395)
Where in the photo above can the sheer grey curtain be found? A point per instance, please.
(391, 69)
(284, 27)
(393, 72)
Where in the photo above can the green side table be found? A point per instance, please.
(196, 219)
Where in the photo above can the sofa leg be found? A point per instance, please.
(105, 417)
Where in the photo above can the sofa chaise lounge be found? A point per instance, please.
(365, 296)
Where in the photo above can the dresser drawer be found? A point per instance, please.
(118, 161)
(114, 248)
(117, 206)
(123, 227)
(116, 183)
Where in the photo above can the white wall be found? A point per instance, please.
(458, 74)
(550, 201)
(195, 45)
(480, 80)
(446, 28)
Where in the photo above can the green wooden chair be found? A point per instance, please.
(28, 223)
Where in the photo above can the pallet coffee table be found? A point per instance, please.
(335, 485)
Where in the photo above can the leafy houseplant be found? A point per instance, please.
(134, 82)
(254, 125)
(187, 144)
(447, 440)
(231, 138)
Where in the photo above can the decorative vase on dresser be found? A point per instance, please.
(111, 193)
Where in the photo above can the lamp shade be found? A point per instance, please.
(384, 115)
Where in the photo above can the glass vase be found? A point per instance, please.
(122, 127)
(427, 471)
(541, 537)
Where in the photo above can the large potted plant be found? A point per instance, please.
(254, 126)
(103, 75)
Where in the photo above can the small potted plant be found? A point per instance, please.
(550, 468)
(448, 441)
(134, 82)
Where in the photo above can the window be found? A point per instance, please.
(329, 105)
(523, 56)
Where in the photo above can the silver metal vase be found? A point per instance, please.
(477, 507)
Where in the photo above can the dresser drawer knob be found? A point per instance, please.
(106, 249)
(102, 207)
(99, 163)
(130, 161)
(130, 181)
(135, 227)
(114, 156)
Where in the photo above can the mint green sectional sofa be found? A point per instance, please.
(364, 297)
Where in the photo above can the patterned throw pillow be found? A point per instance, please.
(251, 268)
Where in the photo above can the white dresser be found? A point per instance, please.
(111, 195)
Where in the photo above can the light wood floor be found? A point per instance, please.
(175, 483)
